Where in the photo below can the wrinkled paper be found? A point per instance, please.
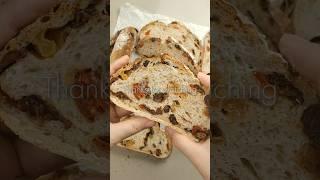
(129, 15)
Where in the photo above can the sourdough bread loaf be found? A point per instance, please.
(152, 141)
(164, 90)
(174, 39)
(258, 105)
(41, 70)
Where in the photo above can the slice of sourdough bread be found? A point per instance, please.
(152, 141)
(205, 59)
(123, 43)
(173, 39)
(38, 68)
(164, 90)
(258, 105)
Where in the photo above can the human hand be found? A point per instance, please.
(121, 130)
(303, 55)
(198, 153)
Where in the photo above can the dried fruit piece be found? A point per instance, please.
(173, 119)
(166, 108)
(160, 97)
(158, 152)
(88, 95)
(196, 87)
(153, 112)
(141, 90)
(35, 107)
(285, 87)
(200, 133)
(121, 95)
(146, 63)
(128, 143)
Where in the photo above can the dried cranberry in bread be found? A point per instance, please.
(164, 90)
(205, 60)
(152, 141)
(123, 43)
(42, 71)
(173, 39)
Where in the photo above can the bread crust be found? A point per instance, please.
(124, 43)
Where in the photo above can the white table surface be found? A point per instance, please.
(131, 165)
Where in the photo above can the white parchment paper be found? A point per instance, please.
(129, 15)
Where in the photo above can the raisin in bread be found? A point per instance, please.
(123, 43)
(65, 48)
(257, 127)
(152, 141)
(164, 90)
(173, 39)
(205, 60)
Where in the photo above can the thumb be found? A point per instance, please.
(124, 129)
(204, 79)
(302, 55)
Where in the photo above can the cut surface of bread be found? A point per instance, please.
(123, 43)
(41, 70)
(257, 127)
(164, 90)
(173, 39)
(152, 141)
